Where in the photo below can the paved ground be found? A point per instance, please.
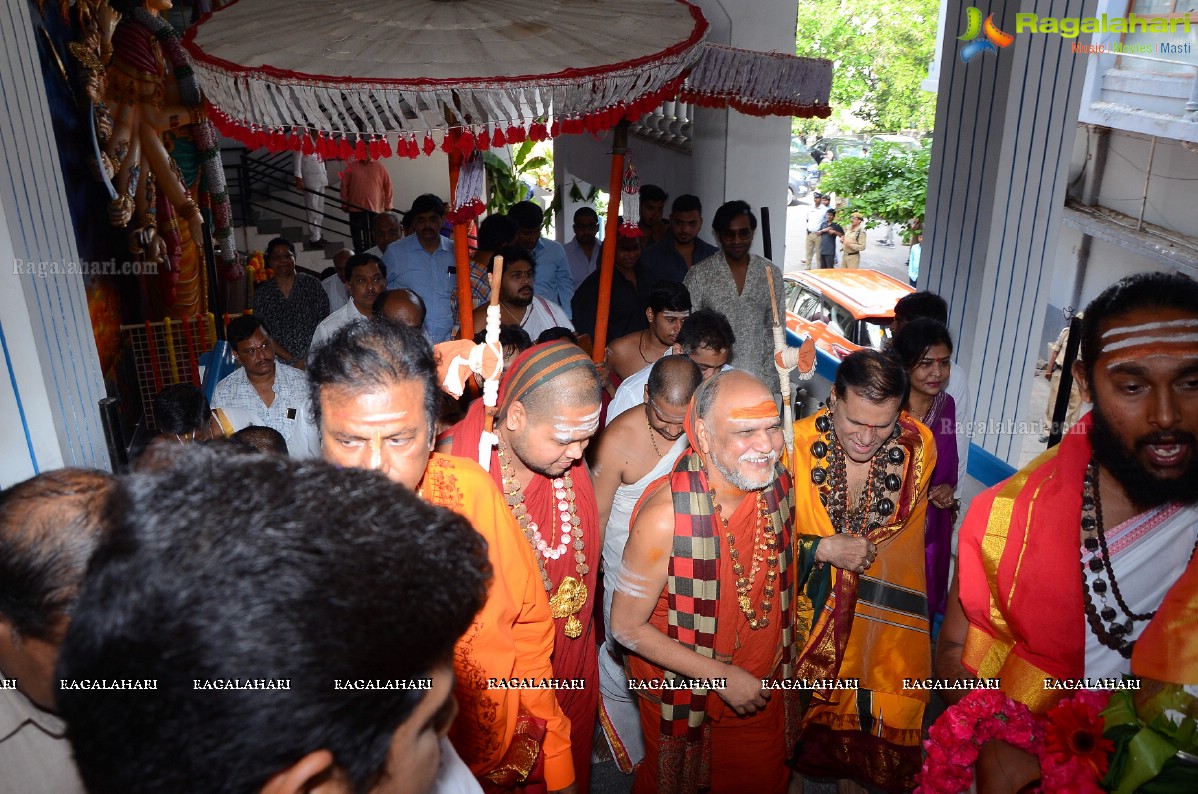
(891, 261)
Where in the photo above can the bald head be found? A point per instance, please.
(673, 380)
(400, 306)
(339, 260)
(574, 388)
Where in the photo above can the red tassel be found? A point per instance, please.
(483, 141)
(447, 143)
(413, 148)
(429, 145)
(385, 146)
(360, 149)
(556, 129)
(516, 134)
(374, 148)
(498, 139)
(572, 126)
(466, 142)
(538, 132)
(306, 145)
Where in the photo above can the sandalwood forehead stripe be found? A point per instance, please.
(1188, 353)
(1147, 340)
(1154, 326)
(766, 409)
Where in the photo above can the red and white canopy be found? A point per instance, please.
(371, 68)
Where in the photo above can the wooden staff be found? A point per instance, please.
(488, 439)
(788, 426)
(610, 234)
(461, 246)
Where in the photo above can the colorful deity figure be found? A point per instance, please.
(156, 151)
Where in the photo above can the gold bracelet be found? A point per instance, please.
(188, 209)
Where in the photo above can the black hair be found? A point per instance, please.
(360, 260)
(262, 439)
(181, 408)
(653, 193)
(921, 304)
(279, 241)
(514, 253)
(285, 581)
(875, 376)
(49, 526)
(674, 377)
(365, 356)
(687, 202)
(242, 327)
(730, 210)
(706, 328)
(510, 336)
(380, 302)
(495, 232)
(427, 202)
(915, 339)
(1156, 290)
(669, 296)
(585, 212)
(555, 333)
(527, 214)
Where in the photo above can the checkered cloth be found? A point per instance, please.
(692, 597)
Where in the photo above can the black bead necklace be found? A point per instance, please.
(832, 480)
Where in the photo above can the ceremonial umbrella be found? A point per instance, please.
(391, 76)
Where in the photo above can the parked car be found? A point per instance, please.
(840, 148)
(798, 184)
(903, 141)
(843, 310)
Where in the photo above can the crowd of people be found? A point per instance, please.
(340, 577)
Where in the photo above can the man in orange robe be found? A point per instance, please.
(865, 466)
(702, 602)
(374, 385)
(1120, 495)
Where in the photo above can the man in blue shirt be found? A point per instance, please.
(423, 262)
(554, 281)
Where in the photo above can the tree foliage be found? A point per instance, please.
(880, 52)
(890, 185)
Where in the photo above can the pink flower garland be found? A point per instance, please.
(984, 715)
(954, 740)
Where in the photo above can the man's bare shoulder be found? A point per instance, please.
(655, 511)
(625, 344)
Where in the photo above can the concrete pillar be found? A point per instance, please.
(50, 380)
(1005, 129)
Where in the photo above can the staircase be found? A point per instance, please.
(266, 204)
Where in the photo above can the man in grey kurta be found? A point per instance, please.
(734, 283)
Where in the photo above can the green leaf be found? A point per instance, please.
(1147, 752)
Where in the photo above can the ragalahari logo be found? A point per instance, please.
(982, 36)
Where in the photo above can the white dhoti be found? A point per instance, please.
(618, 711)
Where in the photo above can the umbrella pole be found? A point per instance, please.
(610, 232)
(461, 246)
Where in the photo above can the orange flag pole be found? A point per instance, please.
(461, 246)
(610, 231)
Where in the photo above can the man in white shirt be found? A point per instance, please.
(584, 250)
(273, 393)
(334, 285)
(312, 178)
(815, 219)
(386, 228)
(554, 281)
(367, 277)
(518, 302)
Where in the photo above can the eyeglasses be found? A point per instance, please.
(737, 234)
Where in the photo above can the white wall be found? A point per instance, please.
(734, 156)
(50, 381)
